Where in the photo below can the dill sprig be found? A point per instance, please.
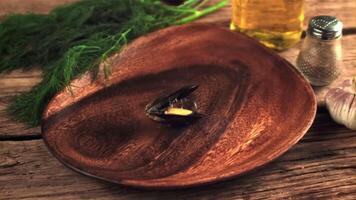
(76, 38)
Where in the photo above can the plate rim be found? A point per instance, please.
(151, 183)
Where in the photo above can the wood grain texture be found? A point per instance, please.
(321, 166)
(37, 6)
(313, 169)
(103, 131)
(12, 84)
(18, 81)
(344, 9)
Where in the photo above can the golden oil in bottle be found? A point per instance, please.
(277, 24)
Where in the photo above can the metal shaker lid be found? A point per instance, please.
(325, 27)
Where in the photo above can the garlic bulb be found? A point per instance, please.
(341, 103)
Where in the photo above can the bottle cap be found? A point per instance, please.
(325, 27)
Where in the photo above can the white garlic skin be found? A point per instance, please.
(341, 103)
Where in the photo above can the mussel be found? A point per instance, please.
(172, 108)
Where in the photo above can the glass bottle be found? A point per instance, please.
(278, 24)
(320, 57)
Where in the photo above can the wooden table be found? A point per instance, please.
(321, 165)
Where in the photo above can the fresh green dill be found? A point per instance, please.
(76, 38)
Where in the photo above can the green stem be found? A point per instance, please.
(197, 14)
(187, 3)
(201, 4)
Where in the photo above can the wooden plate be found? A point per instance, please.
(255, 106)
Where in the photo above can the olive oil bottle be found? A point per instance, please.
(275, 23)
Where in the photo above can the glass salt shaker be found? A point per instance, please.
(320, 57)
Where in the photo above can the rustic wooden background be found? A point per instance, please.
(322, 165)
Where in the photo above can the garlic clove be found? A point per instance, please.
(341, 103)
(351, 121)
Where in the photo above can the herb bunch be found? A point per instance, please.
(76, 38)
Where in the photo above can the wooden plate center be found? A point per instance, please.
(111, 124)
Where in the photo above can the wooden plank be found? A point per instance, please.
(345, 10)
(12, 84)
(322, 165)
(20, 6)
(18, 81)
